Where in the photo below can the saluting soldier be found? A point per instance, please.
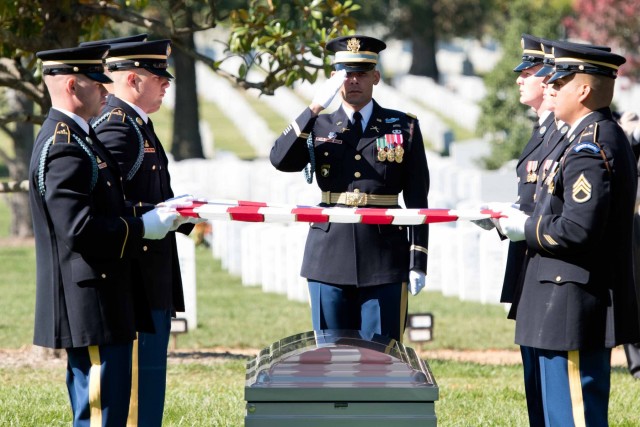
(86, 301)
(364, 156)
(139, 71)
(578, 299)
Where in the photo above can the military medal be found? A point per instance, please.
(532, 167)
(398, 147)
(381, 147)
(391, 154)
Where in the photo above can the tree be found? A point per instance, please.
(425, 23)
(612, 23)
(503, 117)
(284, 40)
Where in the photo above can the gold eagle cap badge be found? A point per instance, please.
(353, 45)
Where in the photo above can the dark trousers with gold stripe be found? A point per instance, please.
(571, 387)
(98, 381)
(380, 309)
(149, 379)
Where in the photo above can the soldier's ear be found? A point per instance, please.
(376, 77)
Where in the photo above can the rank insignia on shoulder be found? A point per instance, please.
(586, 146)
(413, 116)
(581, 189)
(62, 133)
(116, 115)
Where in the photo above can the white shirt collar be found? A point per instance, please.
(577, 123)
(366, 112)
(144, 116)
(76, 118)
(543, 116)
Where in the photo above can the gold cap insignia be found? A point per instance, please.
(353, 45)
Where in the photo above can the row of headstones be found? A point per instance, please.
(464, 260)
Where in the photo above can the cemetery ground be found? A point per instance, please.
(472, 357)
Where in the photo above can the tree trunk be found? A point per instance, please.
(23, 138)
(187, 143)
(423, 41)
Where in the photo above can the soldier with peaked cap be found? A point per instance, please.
(140, 75)
(85, 241)
(578, 295)
(364, 155)
(113, 41)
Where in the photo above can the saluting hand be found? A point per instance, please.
(328, 90)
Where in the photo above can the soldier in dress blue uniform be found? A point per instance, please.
(139, 71)
(631, 125)
(578, 295)
(364, 156)
(85, 241)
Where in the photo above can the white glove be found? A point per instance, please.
(158, 222)
(416, 281)
(486, 223)
(329, 88)
(513, 225)
(178, 222)
(184, 201)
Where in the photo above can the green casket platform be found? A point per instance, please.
(339, 378)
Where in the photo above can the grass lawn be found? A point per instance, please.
(210, 391)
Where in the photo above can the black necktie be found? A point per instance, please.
(357, 126)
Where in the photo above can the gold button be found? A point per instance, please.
(145, 248)
(153, 167)
(558, 278)
(109, 183)
(358, 156)
(104, 276)
(357, 174)
(326, 153)
(400, 227)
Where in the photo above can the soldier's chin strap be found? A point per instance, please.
(310, 168)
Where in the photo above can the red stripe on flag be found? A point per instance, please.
(374, 216)
(437, 215)
(494, 214)
(310, 215)
(246, 213)
(188, 212)
(250, 203)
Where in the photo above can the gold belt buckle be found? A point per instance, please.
(355, 199)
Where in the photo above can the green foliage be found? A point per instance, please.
(287, 38)
(503, 117)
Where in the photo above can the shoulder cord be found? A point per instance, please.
(310, 168)
(138, 161)
(43, 160)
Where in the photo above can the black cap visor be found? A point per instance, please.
(524, 65)
(545, 70)
(99, 77)
(560, 74)
(159, 72)
(353, 67)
